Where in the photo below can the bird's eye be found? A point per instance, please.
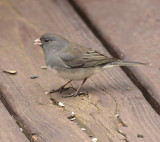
(46, 40)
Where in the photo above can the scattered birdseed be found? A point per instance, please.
(34, 76)
(73, 114)
(72, 119)
(116, 115)
(61, 104)
(34, 137)
(10, 71)
(119, 131)
(46, 93)
(120, 124)
(43, 67)
(21, 129)
(94, 139)
(128, 88)
(140, 136)
(83, 129)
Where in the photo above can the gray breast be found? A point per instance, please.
(52, 51)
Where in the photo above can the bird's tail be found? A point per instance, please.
(123, 63)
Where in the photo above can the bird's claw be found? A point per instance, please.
(74, 94)
(60, 90)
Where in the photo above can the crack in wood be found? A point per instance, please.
(118, 119)
(13, 114)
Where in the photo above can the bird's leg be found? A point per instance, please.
(78, 91)
(61, 88)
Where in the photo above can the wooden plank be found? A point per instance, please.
(110, 93)
(131, 28)
(41, 120)
(9, 130)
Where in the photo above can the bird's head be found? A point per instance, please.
(48, 38)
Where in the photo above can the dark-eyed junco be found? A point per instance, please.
(72, 61)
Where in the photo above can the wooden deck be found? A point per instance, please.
(122, 105)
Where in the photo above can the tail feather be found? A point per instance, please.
(123, 63)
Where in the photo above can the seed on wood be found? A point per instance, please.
(10, 71)
(34, 76)
(83, 129)
(72, 119)
(140, 136)
(43, 67)
(61, 104)
(94, 139)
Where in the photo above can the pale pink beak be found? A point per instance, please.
(37, 42)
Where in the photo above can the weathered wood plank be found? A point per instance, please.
(9, 130)
(132, 28)
(110, 93)
(41, 120)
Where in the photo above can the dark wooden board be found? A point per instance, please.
(110, 93)
(132, 29)
(9, 130)
(41, 120)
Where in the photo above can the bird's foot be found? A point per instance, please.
(60, 90)
(66, 89)
(74, 94)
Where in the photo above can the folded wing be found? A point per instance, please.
(77, 56)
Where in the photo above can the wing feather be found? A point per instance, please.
(77, 56)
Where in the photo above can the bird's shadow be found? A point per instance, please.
(92, 89)
(71, 90)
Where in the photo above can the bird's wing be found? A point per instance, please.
(77, 56)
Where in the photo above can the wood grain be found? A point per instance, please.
(9, 130)
(131, 28)
(110, 93)
(41, 120)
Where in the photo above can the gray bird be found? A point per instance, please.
(72, 61)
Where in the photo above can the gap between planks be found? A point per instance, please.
(150, 99)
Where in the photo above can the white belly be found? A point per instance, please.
(76, 74)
